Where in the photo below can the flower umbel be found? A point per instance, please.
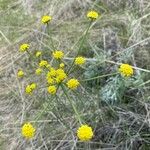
(80, 60)
(73, 83)
(38, 71)
(29, 88)
(52, 89)
(62, 65)
(92, 15)
(20, 73)
(85, 133)
(28, 131)
(126, 70)
(46, 19)
(43, 63)
(24, 47)
(58, 54)
(38, 54)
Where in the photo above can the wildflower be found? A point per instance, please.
(126, 70)
(33, 86)
(58, 54)
(52, 89)
(60, 75)
(20, 73)
(24, 47)
(43, 63)
(38, 71)
(48, 66)
(50, 80)
(85, 133)
(46, 19)
(28, 89)
(80, 60)
(62, 65)
(51, 73)
(38, 54)
(73, 83)
(92, 15)
(28, 131)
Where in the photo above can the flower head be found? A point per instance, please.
(80, 60)
(51, 73)
(20, 73)
(24, 47)
(50, 80)
(38, 71)
(33, 86)
(51, 89)
(43, 63)
(28, 131)
(62, 65)
(126, 70)
(85, 133)
(58, 54)
(92, 15)
(73, 83)
(38, 54)
(60, 75)
(46, 19)
(28, 89)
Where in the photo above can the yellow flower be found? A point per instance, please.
(60, 75)
(80, 60)
(46, 19)
(38, 54)
(28, 89)
(43, 63)
(126, 70)
(50, 80)
(58, 54)
(20, 73)
(28, 131)
(85, 133)
(62, 65)
(24, 47)
(52, 72)
(38, 71)
(48, 66)
(33, 86)
(52, 89)
(73, 83)
(92, 15)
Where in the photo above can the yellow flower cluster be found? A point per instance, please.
(28, 131)
(57, 54)
(24, 47)
(38, 71)
(30, 88)
(73, 83)
(92, 15)
(38, 54)
(52, 89)
(46, 19)
(126, 70)
(43, 63)
(80, 60)
(85, 133)
(20, 73)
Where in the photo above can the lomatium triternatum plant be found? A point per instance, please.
(58, 75)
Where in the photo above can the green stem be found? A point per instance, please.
(73, 106)
(81, 44)
(102, 76)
